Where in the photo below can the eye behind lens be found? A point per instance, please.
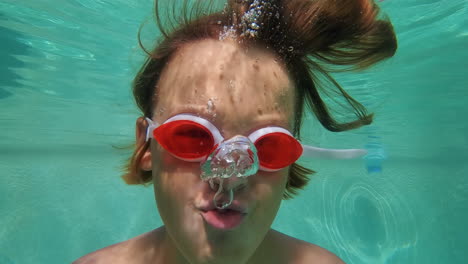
(185, 139)
(277, 150)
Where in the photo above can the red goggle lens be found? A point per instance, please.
(277, 150)
(185, 139)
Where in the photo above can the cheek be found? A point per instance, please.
(276, 179)
(168, 168)
(270, 187)
(268, 194)
(174, 180)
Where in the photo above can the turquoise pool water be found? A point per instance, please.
(66, 68)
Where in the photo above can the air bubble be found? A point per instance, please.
(231, 84)
(228, 32)
(210, 105)
(249, 19)
(236, 157)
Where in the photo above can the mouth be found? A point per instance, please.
(225, 219)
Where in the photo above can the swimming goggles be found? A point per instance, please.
(192, 138)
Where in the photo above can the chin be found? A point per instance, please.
(210, 246)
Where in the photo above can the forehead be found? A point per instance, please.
(225, 83)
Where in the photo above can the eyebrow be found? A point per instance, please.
(267, 120)
(198, 110)
(258, 121)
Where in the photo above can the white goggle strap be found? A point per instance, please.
(310, 151)
(323, 153)
(151, 127)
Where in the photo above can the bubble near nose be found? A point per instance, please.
(210, 105)
(236, 157)
(219, 199)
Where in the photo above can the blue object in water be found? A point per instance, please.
(375, 155)
(374, 165)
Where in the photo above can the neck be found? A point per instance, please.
(165, 249)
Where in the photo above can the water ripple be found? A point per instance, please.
(369, 222)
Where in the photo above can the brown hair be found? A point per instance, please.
(312, 38)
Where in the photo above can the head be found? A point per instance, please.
(242, 76)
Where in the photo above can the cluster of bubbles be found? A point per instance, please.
(249, 21)
(228, 32)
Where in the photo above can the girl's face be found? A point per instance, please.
(239, 91)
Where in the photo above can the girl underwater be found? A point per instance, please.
(222, 97)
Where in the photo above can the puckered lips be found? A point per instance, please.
(224, 219)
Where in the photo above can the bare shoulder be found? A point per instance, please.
(302, 252)
(314, 254)
(104, 255)
(116, 254)
(128, 251)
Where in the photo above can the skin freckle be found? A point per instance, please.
(221, 76)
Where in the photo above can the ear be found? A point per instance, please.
(145, 163)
